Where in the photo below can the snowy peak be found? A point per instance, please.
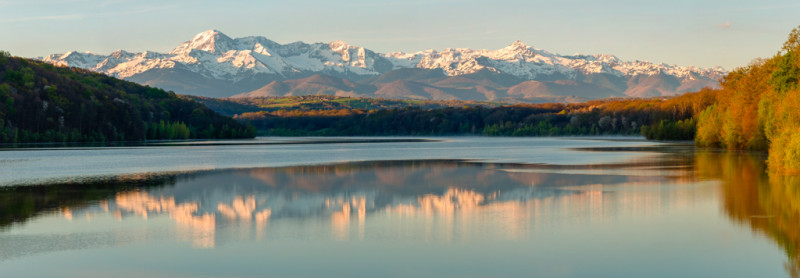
(517, 50)
(518, 45)
(259, 45)
(86, 60)
(338, 45)
(211, 41)
(215, 58)
(353, 56)
(121, 54)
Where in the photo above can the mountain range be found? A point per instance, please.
(213, 64)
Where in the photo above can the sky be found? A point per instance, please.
(702, 33)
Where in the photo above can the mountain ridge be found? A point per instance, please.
(214, 64)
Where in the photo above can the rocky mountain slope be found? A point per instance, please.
(213, 64)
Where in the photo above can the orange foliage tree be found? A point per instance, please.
(758, 107)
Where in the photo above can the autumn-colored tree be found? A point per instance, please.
(758, 107)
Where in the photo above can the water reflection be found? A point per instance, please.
(447, 199)
(769, 203)
(432, 201)
(18, 204)
(199, 228)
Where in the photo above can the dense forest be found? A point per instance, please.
(44, 103)
(236, 106)
(669, 118)
(758, 108)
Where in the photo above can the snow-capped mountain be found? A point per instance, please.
(213, 64)
(523, 61)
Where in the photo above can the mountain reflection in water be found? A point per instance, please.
(441, 193)
(429, 200)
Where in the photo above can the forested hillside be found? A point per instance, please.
(758, 108)
(667, 119)
(40, 102)
(234, 106)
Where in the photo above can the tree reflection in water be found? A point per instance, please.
(449, 197)
(769, 203)
(438, 192)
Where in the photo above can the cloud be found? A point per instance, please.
(43, 18)
(725, 25)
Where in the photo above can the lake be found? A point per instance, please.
(396, 207)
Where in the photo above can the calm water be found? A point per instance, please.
(449, 207)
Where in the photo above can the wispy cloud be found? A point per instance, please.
(725, 25)
(43, 18)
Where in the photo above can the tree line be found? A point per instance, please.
(40, 102)
(234, 106)
(668, 118)
(758, 108)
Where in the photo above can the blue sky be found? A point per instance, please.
(701, 32)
